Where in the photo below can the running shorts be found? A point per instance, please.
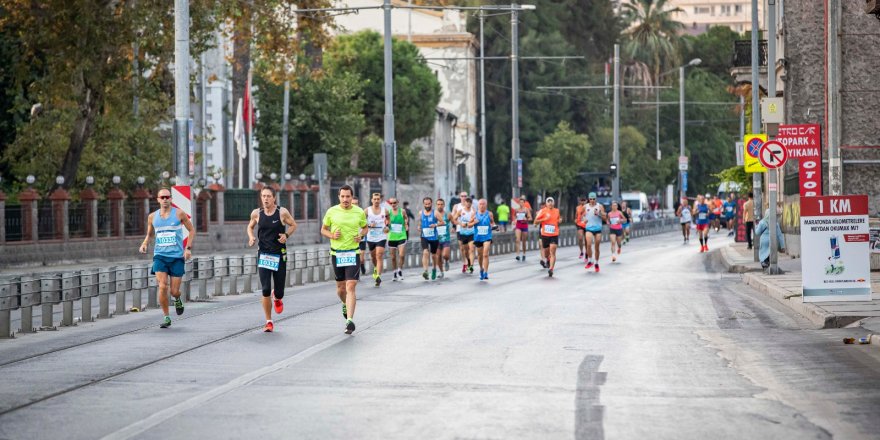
(372, 245)
(547, 241)
(445, 245)
(433, 245)
(702, 227)
(617, 232)
(581, 228)
(465, 239)
(479, 244)
(396, 243)
(626, 225)
(174, 267)
(594, 231)
(362, 245)
(347, 273)
(522, 226)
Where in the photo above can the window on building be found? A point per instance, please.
(702, 10)
(738, 9)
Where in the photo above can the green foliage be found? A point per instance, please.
(416, 89)
(543, 175)
(568, 152)
(653, 35)
(735, 174)
(639, 168)
(324, 117)
(714, 47)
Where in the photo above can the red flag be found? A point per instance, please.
(248, 113)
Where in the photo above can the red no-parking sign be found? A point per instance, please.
(772, 155)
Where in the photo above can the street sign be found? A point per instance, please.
(772, 110)
(751, 146)
(835, 248)
(740, 161)
(182, 199)
(773, 154)
(682, 163)
(684, 182)
(804, 143)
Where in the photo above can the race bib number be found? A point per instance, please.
(397, 227)
(701, 216)
(520, 216)
(615, 220)
(346, 259)
(374, 234)
(549, 229)
(482, 230)
(269, 261)
(428, 232)
(166, 238)
(441, 230)
(729, 208)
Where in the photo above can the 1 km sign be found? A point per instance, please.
(773, 155)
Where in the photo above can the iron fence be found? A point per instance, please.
(742, 53)
(14, 224)
(46, 221)
(238, 204)
(77, 223)
(104, 219)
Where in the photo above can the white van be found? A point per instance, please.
(638, 202)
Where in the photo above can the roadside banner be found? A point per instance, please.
(804, 144)
(835, 254)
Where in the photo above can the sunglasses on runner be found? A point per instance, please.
(164, 197)
(592, 200)
(393, 203)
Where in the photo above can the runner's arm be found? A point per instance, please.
(250, 227)
(325, 231)
(145, 244)
(184, 219)
(287, 219)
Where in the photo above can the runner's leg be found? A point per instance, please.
(162, 284)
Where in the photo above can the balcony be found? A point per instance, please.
(742, 62)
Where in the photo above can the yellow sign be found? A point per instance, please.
(752, 145)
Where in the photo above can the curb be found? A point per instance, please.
(733, 266)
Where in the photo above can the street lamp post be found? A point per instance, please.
(693, 62)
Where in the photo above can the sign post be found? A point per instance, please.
(772, 156)
(835, 254)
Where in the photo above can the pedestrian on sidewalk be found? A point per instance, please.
(762, 234)
(749, 217)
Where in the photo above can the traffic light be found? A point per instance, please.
(612, 169)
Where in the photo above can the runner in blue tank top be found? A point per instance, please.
(702, 214)
(430, 240)
(169, 254)
(483, 222)
(443, 232)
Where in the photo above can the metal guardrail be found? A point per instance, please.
(226, 275)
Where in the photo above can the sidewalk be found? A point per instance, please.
(787, 290)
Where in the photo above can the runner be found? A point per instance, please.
(730, 214)
(627, 224)
(377, 220)
(430, 241)
(272, 250)
(444, 237)
(523, 212)
(701, 208)
(397, 227)
(716, 205)
(466, 234)
(169, 255)
(548, 219)
(685, 218)
(484, 222)
(345, 225)
(503, 215)
(615, 231)
(363, 244)
(594, 214)
(579, 224)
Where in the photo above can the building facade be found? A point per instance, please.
(700, 15)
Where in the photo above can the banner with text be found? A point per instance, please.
(835, 254)
(804, 143)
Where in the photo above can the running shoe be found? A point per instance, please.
(375, 273)
(482, 275)
(706, 247)
(550, 273)
(618, 251)
(269, 328)
(395, 276)
(524, 257)
(400, 272)
(433, 274)
(279, 306)
(178, 306)
(166, 322)
(543, 264)
(464, 268)
(589, 264)
(471, 268)
(613, 258)
(581, 256)
(517, 258)
(378, 281)
(440, 275)
(349, 327)
(597, 267)
(425, 275)
(447, 265)
(344, 311)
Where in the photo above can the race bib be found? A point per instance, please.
(615, 220)
(269, 261)
(166, 238)
(729, 208)
(701, 216)
(466, 231)
(397, 227)
(482, 230)
(374, 234)
(428, 232)
(441, 230)
(549, 229)
(346, 259)
(520, 216)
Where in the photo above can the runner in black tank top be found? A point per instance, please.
(272, 236)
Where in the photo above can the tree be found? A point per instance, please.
(543, 176)
(714, 48)
(568, 151)
(639, 168)
(653, 34)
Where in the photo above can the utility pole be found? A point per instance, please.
(482, 108)
(832, 97)
(285, 126)
(681, 189)
(615, 159)
(514, 111)
(772, 174)
(181, 89)
(756, 111)
(389, 148)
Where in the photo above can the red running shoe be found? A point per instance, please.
(279, 306)
(589, 265)
(269, 328)
(464, 268)
(597, 267)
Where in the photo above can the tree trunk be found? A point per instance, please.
(90, 104)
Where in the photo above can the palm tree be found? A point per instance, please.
(653, 34)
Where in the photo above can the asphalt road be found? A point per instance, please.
(660, 345)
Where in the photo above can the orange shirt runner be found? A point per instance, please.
(549, 219)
